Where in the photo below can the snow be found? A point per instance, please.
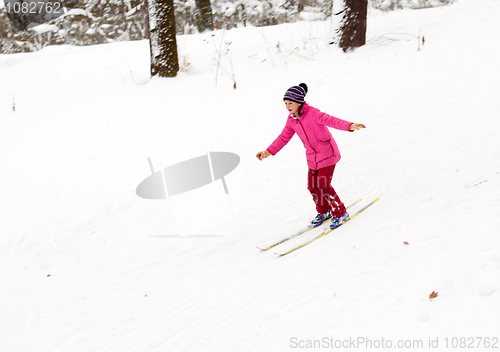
(77, 12)
(311, 16)
(89, 266)
(43, 28)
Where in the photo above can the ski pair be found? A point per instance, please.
(326, 231)
(301, 232)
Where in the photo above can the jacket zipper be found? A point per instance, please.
(305, 134)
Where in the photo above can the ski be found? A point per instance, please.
(301, 232)
(325, 232)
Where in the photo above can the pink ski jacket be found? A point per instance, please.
(311, 127)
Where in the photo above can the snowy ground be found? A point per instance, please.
(86, 265)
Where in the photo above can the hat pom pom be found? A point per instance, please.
(303, 85)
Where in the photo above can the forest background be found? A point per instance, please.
(93, 22)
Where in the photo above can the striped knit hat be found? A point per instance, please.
(296, 93)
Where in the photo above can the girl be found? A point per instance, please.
(322, 152)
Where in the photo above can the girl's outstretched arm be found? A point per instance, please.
(262, 155)
(356, 126)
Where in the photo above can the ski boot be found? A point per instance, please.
(321, 218)
(336, 222)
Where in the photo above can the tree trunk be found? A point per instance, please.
(354, 25)
(204, 20)
(300, 6)
(163, 44)
(338, 14)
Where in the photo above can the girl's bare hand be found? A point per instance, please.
(262, 155)
(356, 126)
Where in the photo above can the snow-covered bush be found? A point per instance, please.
(10, 43)
(230, 13)
(387, 5)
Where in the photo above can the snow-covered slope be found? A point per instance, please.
(86, 265)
